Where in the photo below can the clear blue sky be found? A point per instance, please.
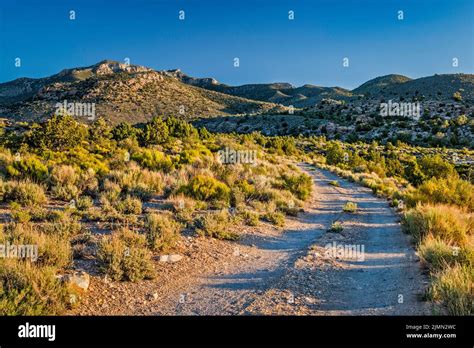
(271, 48)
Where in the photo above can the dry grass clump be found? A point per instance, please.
(216, 224)
(162, 231)
(24, 193)
(124, 256)
(453, 287)
(445, 222)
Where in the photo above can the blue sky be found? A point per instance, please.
(271, 48)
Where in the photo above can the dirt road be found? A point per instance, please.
(297, 271)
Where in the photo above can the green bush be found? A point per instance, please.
(28, 167)
(447, 191)
(58, 133)
(156, 132)
(250, 218)
(275, 218)
(435, 166)
(180, 128)
(206, 188)
(153, 159)
(300, 185)
(336, 227)
(349, 207)
(334, 154)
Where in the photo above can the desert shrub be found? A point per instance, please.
(24, 193)
(300, 185)
(198, 153)
(287, 207)
(62, 223)
(141, 183)
(334, 154)
(237, 197)
(435, 166)
(206, 188)
(216, 224)
(349, 207)
(183, 207)
(453, 287)
(63, 175)
(153, 159)
(275, 218)
(53, 250)
(447, 191)
(128, 205)
(60, 132)
(334, 183)
(88, 183)
(412, 171)
(180, 129)
(39, 214)
(336, 227)
(437, 254)
(394, 203)
(19, 213)
(28, 167)
(162, 231)
(445, 222)
(111, 190)
(250, 218)
(26, 289)
(124, 256)
(155, 132)
(99, 135)
(123, 131)
(83, 203)
(281, 145)
(63, 179)
(65, 192)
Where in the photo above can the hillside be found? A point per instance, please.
(436, 87)
(381, 83)
(120, 93)
(279, 92)
(132, 93)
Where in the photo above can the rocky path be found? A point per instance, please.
(295, 272)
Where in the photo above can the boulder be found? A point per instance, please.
(79, 279)
(170, 258)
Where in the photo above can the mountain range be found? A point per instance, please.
(134, 93)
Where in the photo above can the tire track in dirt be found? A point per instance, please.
(289, 273)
